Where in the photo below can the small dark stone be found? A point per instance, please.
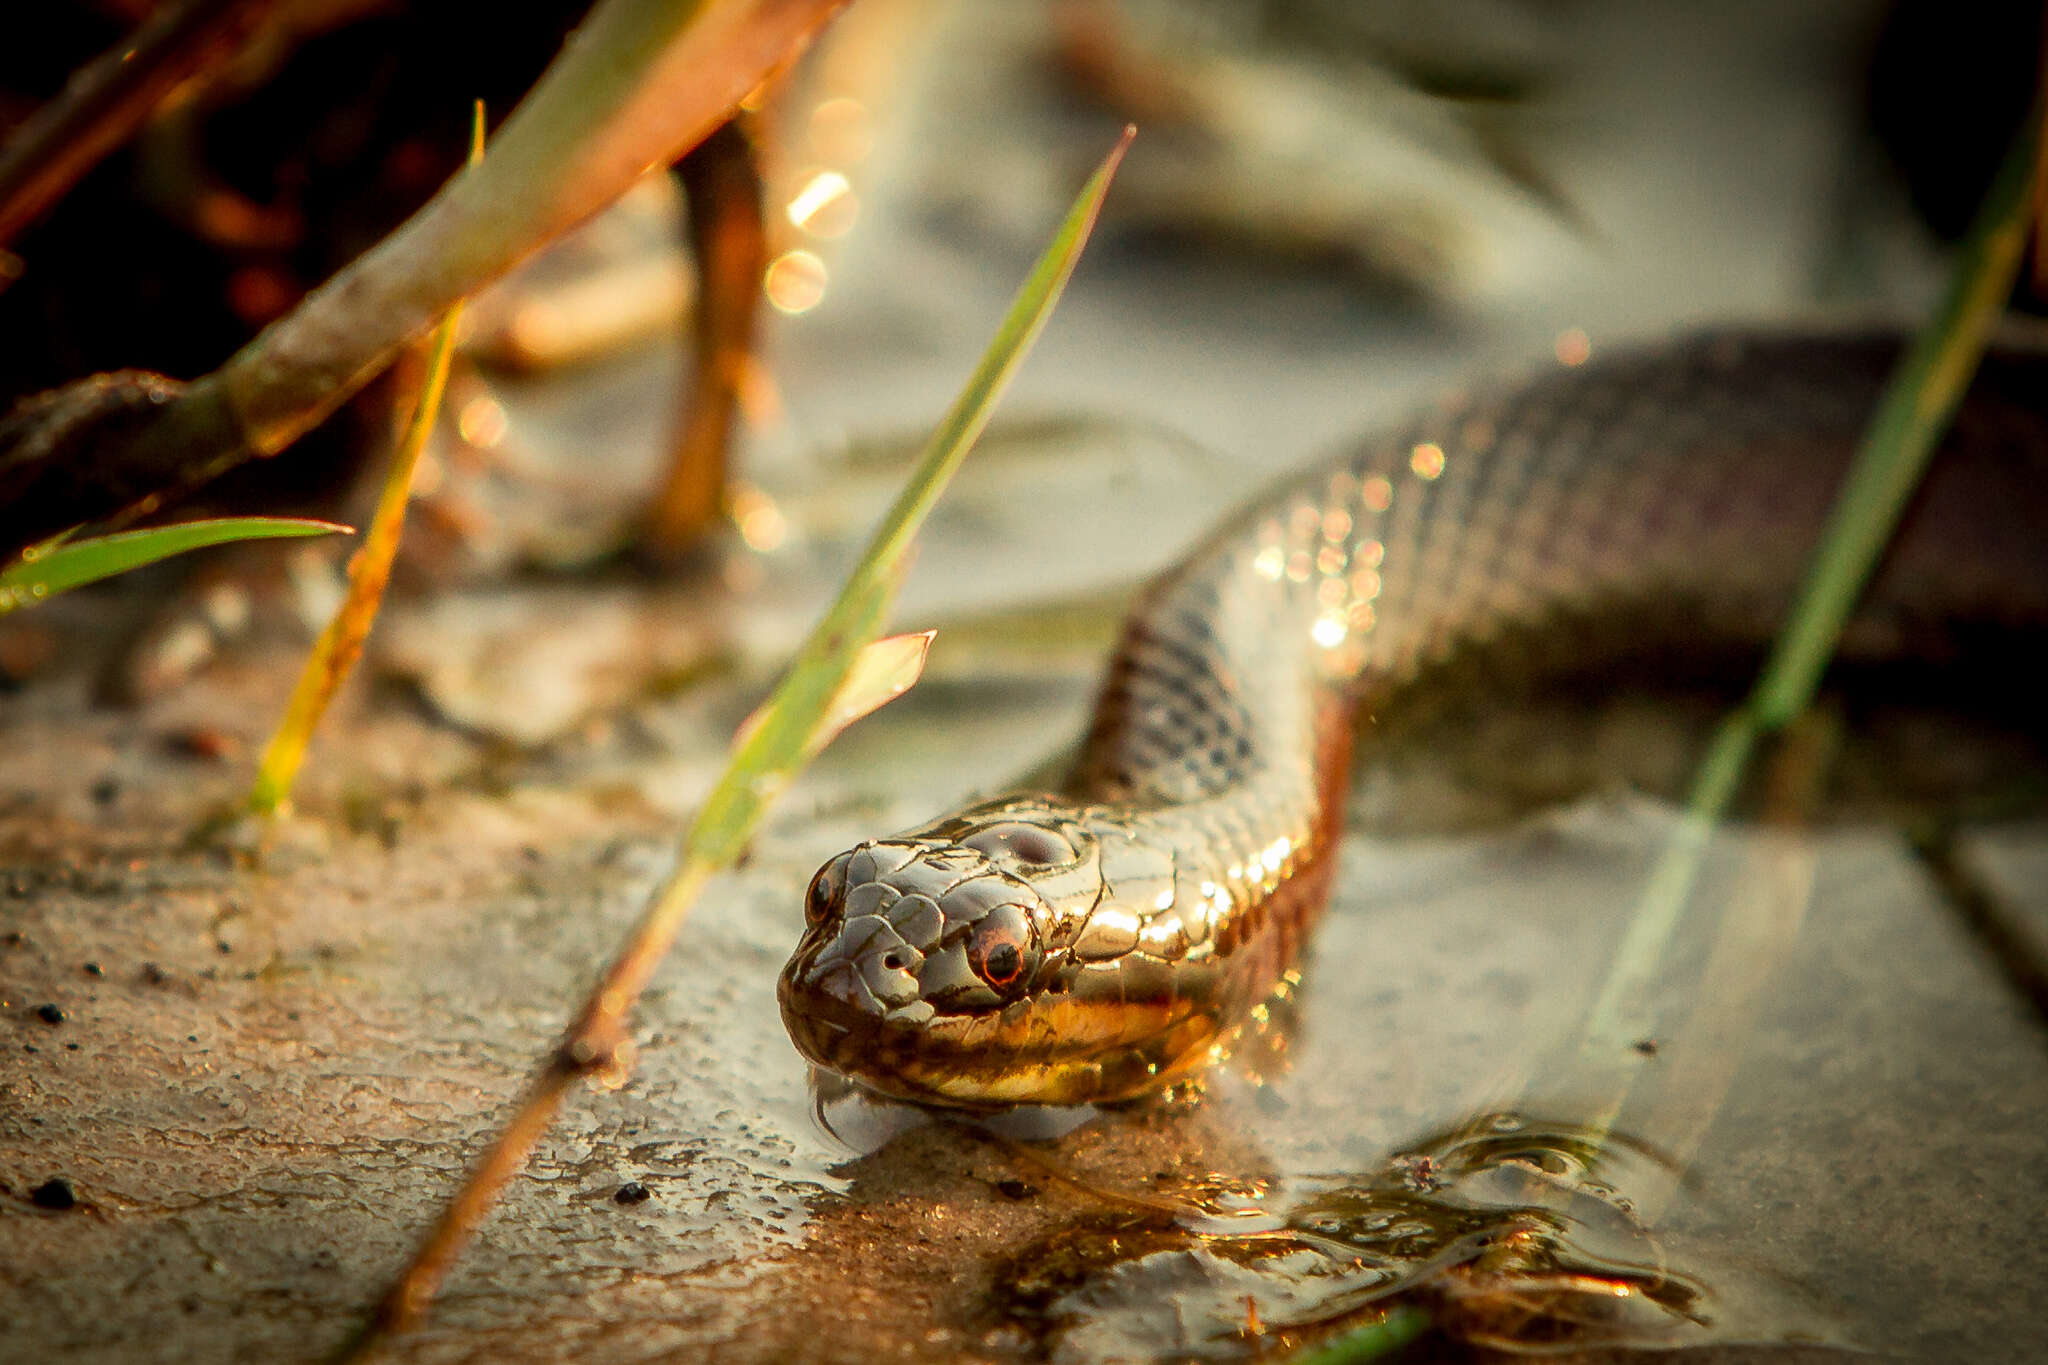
(14, 938)
(1016, 1189)
(633, 1192)
(50, 1014)
(54, 1194)
(105, 790)
(93, 969)
(1646, 1046)
(191, 1037)
(71, 1047)
(154, 975)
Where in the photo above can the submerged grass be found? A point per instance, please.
(1918, 402)
(1921, 397)
(839, 672)
(341, 643)
(45, 570)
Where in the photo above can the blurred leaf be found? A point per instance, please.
(767, 756)
(45, 571)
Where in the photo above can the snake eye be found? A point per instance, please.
(1027, 844)
(824, 891)
(1000, 949)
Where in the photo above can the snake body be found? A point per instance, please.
(1093, 943)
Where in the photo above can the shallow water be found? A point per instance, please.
(1363, 1145)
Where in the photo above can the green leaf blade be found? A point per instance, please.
(76, 563)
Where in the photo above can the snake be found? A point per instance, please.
(1105, 938)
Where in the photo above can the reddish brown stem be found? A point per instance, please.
(595, 1044)
(729, 243)
(409, 1297)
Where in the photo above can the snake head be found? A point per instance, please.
(931, 946)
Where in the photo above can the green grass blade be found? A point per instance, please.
(1918, 401)
(769, 755)
(46, 571)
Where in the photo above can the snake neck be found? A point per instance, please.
(1663, 499)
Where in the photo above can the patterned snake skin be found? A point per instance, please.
(1095, 943)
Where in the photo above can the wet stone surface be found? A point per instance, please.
(281, 1070)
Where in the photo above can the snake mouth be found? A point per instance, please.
(903, 1051)
(995, 1059)
(827, 1026)
(885, 1054)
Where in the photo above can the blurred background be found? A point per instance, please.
(1331, 205)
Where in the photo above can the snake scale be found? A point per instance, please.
(1092, 943)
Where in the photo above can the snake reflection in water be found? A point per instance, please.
(1096, 942)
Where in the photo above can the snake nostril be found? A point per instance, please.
(893, 961)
